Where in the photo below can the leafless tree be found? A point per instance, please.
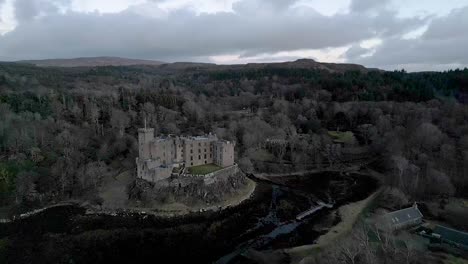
(119, 120)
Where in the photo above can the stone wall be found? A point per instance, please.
(151, 170)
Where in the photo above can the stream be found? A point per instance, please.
(281, 228)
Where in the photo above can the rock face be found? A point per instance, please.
(191, 190)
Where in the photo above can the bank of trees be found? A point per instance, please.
(63, 130)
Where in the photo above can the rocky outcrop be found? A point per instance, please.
(191, 190)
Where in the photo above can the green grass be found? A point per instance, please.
(342, 137)
(204, 169)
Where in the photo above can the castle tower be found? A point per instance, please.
(145, 137)
(224, 153)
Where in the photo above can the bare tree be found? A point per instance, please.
(402, 165)
(119, 120)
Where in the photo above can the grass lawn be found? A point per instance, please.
(204, 169)
(465, 203)
(344, 137)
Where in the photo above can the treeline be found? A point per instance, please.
(63, 131)
(357, 85)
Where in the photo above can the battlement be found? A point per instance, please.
(146, 130)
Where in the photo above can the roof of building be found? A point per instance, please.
(452, 235)
(403, 216)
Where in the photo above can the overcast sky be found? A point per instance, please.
(390, 34)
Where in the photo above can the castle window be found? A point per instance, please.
(199, 144)
(191, 163)
(191, 150)
(205, 156)
(211, 155)
(191, 157)
(199, 157)
(205, 150)
(199, 150)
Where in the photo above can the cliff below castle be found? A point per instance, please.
(223, 188)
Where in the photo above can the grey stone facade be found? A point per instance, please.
(159, 156)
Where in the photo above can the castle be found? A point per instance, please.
(161, 157)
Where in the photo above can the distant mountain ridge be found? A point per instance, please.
(91, 62)
(176, 66)
(297, 64)
(309, 64)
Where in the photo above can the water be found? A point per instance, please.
(281, 228)
(276, 217)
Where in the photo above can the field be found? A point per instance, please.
(342, 137)
(204, 169)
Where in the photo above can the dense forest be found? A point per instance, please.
(63, 130)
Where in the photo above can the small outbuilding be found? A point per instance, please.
(403, 218)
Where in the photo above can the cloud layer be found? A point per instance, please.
(443, 43)
(253, 27)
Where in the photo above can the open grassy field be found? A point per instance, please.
(204, 169)
(342, 137)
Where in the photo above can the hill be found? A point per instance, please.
(308, 64)
(90, 62)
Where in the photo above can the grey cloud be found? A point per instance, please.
(1, 6)
(26, 9)
(355, 52)
(365, 5)
(29, 9)
(443, 43)
(183, 35)
(255, 5)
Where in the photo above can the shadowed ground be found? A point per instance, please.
(114, 190)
